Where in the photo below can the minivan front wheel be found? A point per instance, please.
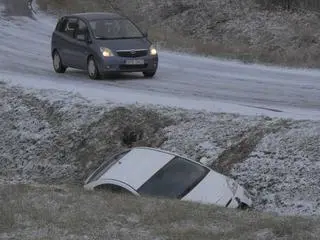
(57, 63)
(149, 74)
(93, 69)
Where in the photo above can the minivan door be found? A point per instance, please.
(66, 40)
(80, 49)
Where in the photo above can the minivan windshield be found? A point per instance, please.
(115, 29)
(175, 180)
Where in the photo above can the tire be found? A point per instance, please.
(93, 70)
(57, 63)
(149, 74)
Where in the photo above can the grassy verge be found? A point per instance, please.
(51, 212)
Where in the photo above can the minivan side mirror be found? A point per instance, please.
(84, 36)
(89, 40)
(145, 34)
(81, 37)
(72, 25)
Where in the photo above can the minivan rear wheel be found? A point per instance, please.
(93, 69)
(57, 63)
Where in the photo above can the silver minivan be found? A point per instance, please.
(102, 42)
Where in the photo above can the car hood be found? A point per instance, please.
(213, 189)
(124, 44)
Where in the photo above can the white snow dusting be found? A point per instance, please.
(281, 172)
(203, 97)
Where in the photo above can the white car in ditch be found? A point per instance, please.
(154, 172)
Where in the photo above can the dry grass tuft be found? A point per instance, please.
(57, 212)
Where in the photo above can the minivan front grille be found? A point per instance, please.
(133, 67)
(133, 53)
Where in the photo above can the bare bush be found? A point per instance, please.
(291, 4)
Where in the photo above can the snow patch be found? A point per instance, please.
(283, 171)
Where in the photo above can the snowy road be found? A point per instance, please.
(182, 80)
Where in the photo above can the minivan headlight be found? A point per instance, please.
(153, 50)
(106, 52)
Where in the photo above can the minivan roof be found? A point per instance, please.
(96, 15)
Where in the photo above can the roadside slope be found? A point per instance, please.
(57, 137)
(50, 212)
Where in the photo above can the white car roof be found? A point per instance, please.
(145, 162)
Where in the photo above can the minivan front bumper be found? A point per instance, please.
(119, 64)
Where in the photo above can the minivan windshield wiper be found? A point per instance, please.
(106, 29)
(115, 38)
(102, 38)
(128, 37)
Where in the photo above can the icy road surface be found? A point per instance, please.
(182, 80)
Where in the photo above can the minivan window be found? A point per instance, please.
(115, 29)
(66, 28)
(82, 28)
(175, 180)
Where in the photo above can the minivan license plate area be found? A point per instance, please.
(134, 62)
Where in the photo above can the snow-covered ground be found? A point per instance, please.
(58, 127)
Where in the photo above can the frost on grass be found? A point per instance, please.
(277, 160)
(58, 141)
(283, 171)
(57, 137)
